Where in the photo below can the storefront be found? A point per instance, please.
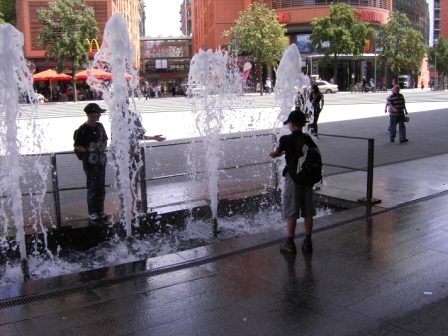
(165, 61)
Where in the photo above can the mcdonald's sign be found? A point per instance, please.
(91, 42)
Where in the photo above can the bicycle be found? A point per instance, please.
(355, 88)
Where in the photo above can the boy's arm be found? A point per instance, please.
(275, 153)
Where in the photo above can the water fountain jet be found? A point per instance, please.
(220, 85)
(15, 77)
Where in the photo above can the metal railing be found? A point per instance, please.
(143, 179)
(377, 4)
(368, 199)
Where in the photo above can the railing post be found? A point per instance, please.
(370, 165)
(55, 183)
(274, 163)
(144, 196)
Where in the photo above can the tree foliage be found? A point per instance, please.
(8, 11)
(439, 52)
(68, 25)
(345, 35)
(258, 32)
(401, 45)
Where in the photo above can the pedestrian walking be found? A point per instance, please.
(268, 86)
(90, 143)
(397, 110)
(297, 199)
(317, 101)
(364, 83)
(422, 84)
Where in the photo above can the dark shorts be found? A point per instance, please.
(298, 201)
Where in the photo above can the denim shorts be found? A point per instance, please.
(297, 200)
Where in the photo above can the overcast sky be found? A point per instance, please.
(162, 17)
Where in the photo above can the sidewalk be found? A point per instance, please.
(377, 270)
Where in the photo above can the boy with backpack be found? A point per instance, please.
(303, 169)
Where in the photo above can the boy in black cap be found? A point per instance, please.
(91, 141)
(297, 199)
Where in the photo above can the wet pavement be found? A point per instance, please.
(375, 270)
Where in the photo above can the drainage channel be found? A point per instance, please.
(189, 264)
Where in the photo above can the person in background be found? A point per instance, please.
(397, 110)
(40, 97)
(364, 83)
(331, 80)
(268, 86)
(317, 101)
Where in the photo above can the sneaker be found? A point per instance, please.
(102, 215)
(404, 140)
(94, 217)
(288, 248)
(307, 246)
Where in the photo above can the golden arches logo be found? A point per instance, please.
(91, 42)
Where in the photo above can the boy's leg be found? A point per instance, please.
(308, 212)
(289, 246)
(290, 212)
(309, 225)
(291, 228)
(307, 245)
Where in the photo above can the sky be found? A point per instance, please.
(162, 17)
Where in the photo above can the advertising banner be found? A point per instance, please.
(303, 43)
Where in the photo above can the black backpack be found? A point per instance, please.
(79, 155)
(305, 166)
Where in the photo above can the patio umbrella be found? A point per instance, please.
(50, 75)
(98, 74)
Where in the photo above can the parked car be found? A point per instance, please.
(326, 87)
(194, 91)
(404, 81)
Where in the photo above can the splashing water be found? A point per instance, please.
(117, 54)
(218, 86)
(16, 79)
(291, 83)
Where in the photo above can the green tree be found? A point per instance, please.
(258, 32)
(68, 25)
(8, 11)
(344, 34)
(439, 53)
(402, 46)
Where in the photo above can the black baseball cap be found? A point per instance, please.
(93, 108)
(296, 117)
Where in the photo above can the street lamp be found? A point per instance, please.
(436, 80)
(374, 75)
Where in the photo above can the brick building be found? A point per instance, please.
(28, 24)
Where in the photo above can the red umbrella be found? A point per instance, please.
(50, 75)
(98, 74)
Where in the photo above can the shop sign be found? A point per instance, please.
(283, 17)
(157, 47)
(370, 16)
(91, 43)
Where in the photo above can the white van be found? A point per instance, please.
(404, 81)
